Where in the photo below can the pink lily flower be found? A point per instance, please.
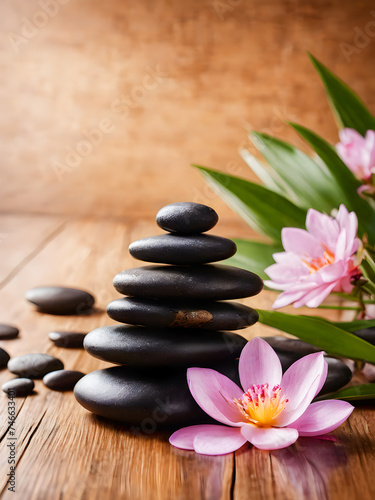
(357, 152)
(316, 261)
(271, 410)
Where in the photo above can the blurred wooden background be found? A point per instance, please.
(155, 86)
(222, 67)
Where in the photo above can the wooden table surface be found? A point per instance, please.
(63, 452)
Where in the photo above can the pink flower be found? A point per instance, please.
(272, 412)
(317, 261)
(357, 152)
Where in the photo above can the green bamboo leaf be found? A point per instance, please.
(254, 256)
(266, 211)
(321, 334)
(264, 172)
(347, 183)
(353, 326)
(348, 108)
(356, 392)
(311, 186)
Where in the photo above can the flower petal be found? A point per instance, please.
(269, 438)
(218, 440)
(322, 417)
(214, 393)
(300, 241)
(299, 385)
(259, 364)
(208, 439)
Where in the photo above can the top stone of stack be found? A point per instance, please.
(186, 218)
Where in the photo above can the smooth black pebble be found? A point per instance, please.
(147, 346)
(4, 358)
(34, 365)
(182, 314)
(73, 340)
(62, 380)
(8, 332)
(60, 300)
(290, 350)
(151, 398)
(214, 282)
(186, 218)
(176, 249)
(367, 334)
(18, 387)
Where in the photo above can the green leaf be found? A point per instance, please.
(311, 186)
(347, 183)
(321, 334)
(264, 172)
(348, 108)
(353, 326)
(266, 211)
(254, 256)
(356, 392)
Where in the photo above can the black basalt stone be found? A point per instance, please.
(150, 398)
(290, 350)
(4, 358)
(177, 249)
(8, 332)
(367, 334)
(34, 365)
(60, 300)
(145, 346)
(62, 380)
(186, 218)
(71, 340)
(18, 387)
(182, 314)
(214, 282)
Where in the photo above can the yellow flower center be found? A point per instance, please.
(314, 264)
(262, 405)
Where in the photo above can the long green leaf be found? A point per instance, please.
(356, 392)
(347, 183)
(309, 183)
(254, 256)
(265, 210)
(353, 326)
(348, 108)
(321, 334)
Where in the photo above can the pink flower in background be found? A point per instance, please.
(318, 261)
(272, 410)
(357, 152)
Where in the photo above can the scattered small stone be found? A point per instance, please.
(4, 358)
(186, 218)
(34, 365)
(62, 380)
(8, 332)
(60, 300)
(18, 387)
(73, 340)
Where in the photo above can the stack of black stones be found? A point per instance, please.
(173, 318)
(176, 316)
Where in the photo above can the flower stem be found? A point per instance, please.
(341, 308)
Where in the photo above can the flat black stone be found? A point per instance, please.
(148, 398)
(8, 332)
(72, 340)
(367, 334)
(178, 249)
(18, 387)
(34, 365)
(182, 314)
(145, 346)
(4, 358)
(186, 218)
(214, 282)
(62, 380)
(290, 350)
(60, 300)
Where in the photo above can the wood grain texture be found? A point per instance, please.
(63, 452)
(225, 66)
